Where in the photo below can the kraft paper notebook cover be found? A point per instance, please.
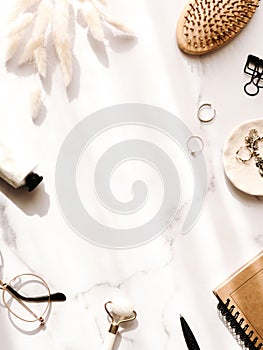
(241, 302)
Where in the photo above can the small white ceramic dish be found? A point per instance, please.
(243, 175)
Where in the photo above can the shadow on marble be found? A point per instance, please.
(121, 42)
(241, 196)
(20, 70)
(99, 50)
(52, 63)
(117, 43)
(1, 265)
(97, 47)
(34, 330)
(124, 329)
(74, 86)
(5, 341)
(41, 115)
(224, 223)
(32, 203)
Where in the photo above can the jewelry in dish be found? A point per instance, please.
(239, 163)
(251, 150)
(244, 154)
(257, 156)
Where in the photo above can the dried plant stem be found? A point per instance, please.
(93, 20)
(35, 102)
(118, 25)
(61, 38)
(20, 7)
(40, 57)
(112, 21)
(35, 50)
(15, 33)
(103, 2)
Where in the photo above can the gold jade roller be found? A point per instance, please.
(119, 311)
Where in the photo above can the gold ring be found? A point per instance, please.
(194, 152)
(210, 117)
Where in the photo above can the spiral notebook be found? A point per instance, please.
(241, 302)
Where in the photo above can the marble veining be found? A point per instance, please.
(9, 235)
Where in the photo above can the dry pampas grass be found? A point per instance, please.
(93, 20)
(21, 7)
(35, 102)
(61, 38)
(15, 32)
(35, 49)
(95, 16)
(54, 16)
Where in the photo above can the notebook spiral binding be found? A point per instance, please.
(239, 326)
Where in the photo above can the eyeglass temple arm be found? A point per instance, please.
(39, 299)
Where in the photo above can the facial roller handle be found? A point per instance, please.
(109, 341)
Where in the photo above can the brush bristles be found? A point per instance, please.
(206, 25)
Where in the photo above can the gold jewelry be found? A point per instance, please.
(241, 157)
(204, 117)
(199, 141)
(252, 146)
(27, 289)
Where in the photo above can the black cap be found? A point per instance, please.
(32, 181)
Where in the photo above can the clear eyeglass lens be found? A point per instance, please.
(27, 286)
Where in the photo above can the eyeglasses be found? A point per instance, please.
(30, 289)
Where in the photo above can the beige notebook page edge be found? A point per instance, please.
(249, 274)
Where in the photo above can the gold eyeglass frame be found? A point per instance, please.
(40, 318)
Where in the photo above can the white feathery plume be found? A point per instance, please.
(43, 17)
(61, 38)
(20, 7)
(112, 21)
(15, 33)
(103, 2)
(11, 46)
(44, 13)
(93, 20)
(35, 102)
(118, 25)
(19, 24)
(40, 57)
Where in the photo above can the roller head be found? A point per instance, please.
(122, 307)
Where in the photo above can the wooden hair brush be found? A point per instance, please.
(206, 25)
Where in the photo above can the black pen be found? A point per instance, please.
(188, 335)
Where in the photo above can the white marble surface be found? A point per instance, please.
(174, 273)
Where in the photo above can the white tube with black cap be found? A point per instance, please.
(17, 167)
